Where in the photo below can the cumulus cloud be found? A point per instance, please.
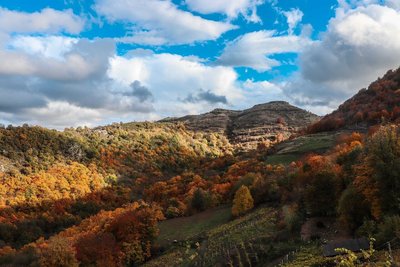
(157, 22)
(256, 92)
(293, 18)
(232, 9)
(49, 86)
(172, 77)
(395, 4)
(140, 92)
(361, 43)
(206, 96)
(58, 114)
(46, 46)
(80, 62)
(48, 21)
(253, 49)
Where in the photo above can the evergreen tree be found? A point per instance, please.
(199, 200)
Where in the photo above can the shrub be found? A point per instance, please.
(291, 217)
(388, 229)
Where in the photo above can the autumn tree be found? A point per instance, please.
(58, 253)
(353, 208)
(98, 250)
(242, 202)
(383, 152)
(319, 177)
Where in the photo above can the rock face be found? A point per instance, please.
(262, 124)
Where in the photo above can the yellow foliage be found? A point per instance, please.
(59, 252)
(242, 202)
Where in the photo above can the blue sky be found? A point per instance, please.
(74, 62)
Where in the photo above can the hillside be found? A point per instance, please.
(266, 124)
(165, 192)
(380, 102)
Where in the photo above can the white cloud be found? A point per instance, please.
(257, 92)
(157, 22)
(172, 78)
(64, 87)
(293, 18)
(232, 9)
(395, 4)
(362, 42)
(46, 46)
(60, 114)
(47, 21)
(253, 49)
(43, 57)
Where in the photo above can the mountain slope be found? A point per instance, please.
(379, 103)
(265, 123)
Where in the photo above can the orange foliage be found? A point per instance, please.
(368, 188)
(381, 102)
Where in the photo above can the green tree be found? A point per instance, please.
(199, 200)
(320, 194)
(353, 208)
(383, 152)
(242, 202)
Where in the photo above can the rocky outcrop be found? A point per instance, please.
(262, 124)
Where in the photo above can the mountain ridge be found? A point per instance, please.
(379, 103)
(265, 123)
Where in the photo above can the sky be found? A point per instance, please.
(69, 63)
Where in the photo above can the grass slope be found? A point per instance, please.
(184, 228)
(251, 240)
(294, 149)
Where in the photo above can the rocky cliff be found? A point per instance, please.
(262, 124)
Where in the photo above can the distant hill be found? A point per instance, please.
(379, 103)
(265, 123)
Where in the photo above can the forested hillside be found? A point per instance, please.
(380, 102)
(160, 194)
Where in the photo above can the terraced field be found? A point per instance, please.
(246, 241)
(181, 229)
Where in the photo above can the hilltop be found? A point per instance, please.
(115, 195)
(380, 102)
(267, 123)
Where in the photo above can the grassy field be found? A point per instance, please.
(293, 150)
(246, 241)
(188, 227)
(284, 159)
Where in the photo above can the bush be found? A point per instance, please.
(291, 217)
(388, 229)
(367, 229)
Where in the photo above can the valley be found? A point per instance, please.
(163, 193)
